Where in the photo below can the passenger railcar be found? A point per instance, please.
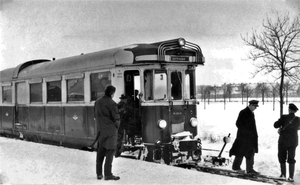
(51, 101)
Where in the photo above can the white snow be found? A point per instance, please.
(23, 162)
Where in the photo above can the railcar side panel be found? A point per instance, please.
(54, 120)
(76, 122)
(92, 130)
(7, 116)
(22, 114)
(37, 119)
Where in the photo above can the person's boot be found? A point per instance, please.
(283, 170)
(291, 171)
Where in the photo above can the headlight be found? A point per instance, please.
(162, 124)
(194, 122)
(181, 42)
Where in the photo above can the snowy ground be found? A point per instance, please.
(32, 163)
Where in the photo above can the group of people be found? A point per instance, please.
(246, 142)
(245, 145)
(130, 125)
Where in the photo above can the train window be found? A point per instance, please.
(21, 93)
(54, 91)
(75, 90)
(131, 82)
(98, 83)
(148, 84)
(176, 85)
(155, 82)
(187, 92)
(160, 84)
(190, 84)
(7, 94)
(36, 92)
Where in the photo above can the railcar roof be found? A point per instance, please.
(96, 60)
(6, 75)
(83, 62)
(105, 58)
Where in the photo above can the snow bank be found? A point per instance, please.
(24, 162)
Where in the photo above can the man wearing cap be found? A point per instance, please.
(246, 142)
(288, 140)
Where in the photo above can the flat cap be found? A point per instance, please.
(293, 107)
(254, 102)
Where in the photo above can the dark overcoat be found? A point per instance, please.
(289, 136)
(108, 121)
(246, 139)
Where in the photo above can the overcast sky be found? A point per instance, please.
(35, 29)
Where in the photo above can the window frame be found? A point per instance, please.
(41, 94)
(67, 90)
(47, 91)
(7, 85)
(101, 93)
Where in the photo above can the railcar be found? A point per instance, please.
(51, 101)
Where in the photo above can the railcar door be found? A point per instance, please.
(177, 113)
(131, 116)
(21, 110)
(184, 102)
(8, 108)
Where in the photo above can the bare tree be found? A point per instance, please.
(263, 88)
(276, 49)
(208, 90)
(275, 90)
(203, 91)
(242, 88)
(215, 89)
(248, 91)
(287, 85)
(229, 90)
(224, 88)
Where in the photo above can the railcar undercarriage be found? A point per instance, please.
(186, 152)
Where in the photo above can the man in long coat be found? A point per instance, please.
(246, 142)
(288, 141)
(108, 122)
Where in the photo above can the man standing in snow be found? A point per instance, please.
(288, 140)
(246, 142)
(108, 122)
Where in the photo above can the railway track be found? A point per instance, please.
(211, 165)
(242, 175)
